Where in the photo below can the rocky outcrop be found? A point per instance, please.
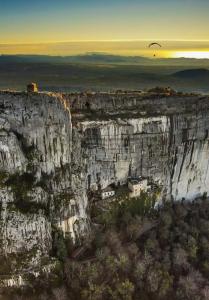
(160, 136)
(38, 193)
(55, 147)
(171, 150)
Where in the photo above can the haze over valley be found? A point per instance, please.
(105, 72)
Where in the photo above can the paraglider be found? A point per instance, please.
(154, 44)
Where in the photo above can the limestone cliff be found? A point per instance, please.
(171, 150)
(163, 137)
(54, 147)
(36, 180)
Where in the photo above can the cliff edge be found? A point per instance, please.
(55, 148)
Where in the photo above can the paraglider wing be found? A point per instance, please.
(154, 44)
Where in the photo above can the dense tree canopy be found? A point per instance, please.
(143, 254)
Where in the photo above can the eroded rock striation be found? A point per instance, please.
(55, 147)
(38, 191)
(163, 137)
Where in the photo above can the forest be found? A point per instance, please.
(136, 252)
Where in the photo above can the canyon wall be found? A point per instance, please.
(54, 147)
(39, 194)
(173, 151)
(163, 137)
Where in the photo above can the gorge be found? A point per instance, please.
(54, 148)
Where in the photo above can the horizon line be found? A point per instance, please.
(106, 53)
(100, 41)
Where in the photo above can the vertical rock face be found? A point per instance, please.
(35, 178)
(172, 150)
(38, 122)
(169, 145)
(54, 147)
(118, 149)
(190, 155)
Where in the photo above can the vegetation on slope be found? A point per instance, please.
(166, 256)
(160, 255)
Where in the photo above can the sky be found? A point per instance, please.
(65, 27)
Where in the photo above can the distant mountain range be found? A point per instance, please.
(103, 58)
(102, 72)
(193, 74)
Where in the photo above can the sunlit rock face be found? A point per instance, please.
(171, 150)
(41, 121)
(54, 147)
(161, 137)
(118, 149)
(38, 190)
(189, 155)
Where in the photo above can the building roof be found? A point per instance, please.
(136, 180)
(108, 189)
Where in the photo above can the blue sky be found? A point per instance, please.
(42, 21)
